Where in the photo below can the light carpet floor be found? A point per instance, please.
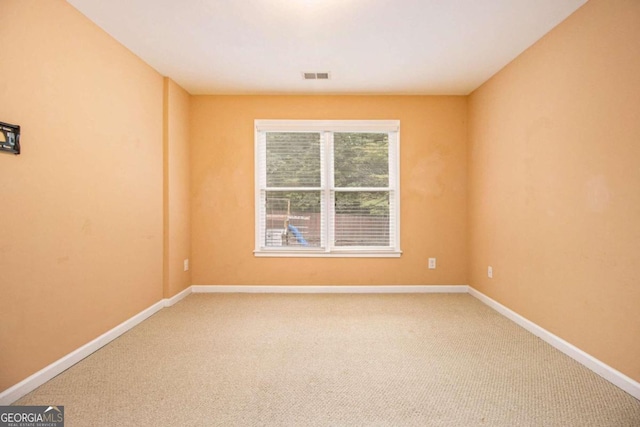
(333, 360)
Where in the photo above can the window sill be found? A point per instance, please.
(323, 254)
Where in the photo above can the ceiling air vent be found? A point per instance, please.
(315, 76)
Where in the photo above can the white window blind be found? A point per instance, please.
(327, 188)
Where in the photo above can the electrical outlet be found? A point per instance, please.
(186, 264)
(490, 272)
(432, 263)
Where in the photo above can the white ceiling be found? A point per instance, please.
(368, 46)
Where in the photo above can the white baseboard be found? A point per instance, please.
(615, 377)
(449, 289)
(36, 380)
(168, 302)
(29, 384)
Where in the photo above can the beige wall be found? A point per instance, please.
(433, 191)
(177, 244)
(554, 183)
(81, 234)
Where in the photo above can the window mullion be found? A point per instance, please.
(328, 192)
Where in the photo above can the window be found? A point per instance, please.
(327, 188)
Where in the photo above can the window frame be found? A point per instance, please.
(392, 127)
